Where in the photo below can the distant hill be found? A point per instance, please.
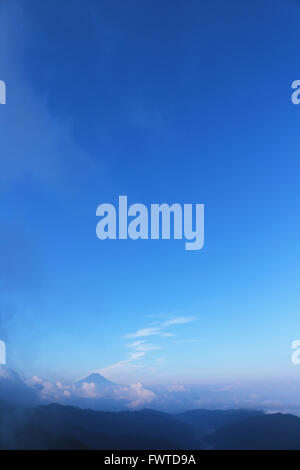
(207, 421)
(265, 432)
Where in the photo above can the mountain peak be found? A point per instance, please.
(97, 379)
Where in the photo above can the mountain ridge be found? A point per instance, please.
(57, 426)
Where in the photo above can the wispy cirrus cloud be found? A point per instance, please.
(141, 346)
(123, 370)
(160, 329)
(154, 331)
(134, 356)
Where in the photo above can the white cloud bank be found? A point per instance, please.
(132, 396)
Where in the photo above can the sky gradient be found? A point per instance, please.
(173, 101)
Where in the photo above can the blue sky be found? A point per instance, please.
(170, 101)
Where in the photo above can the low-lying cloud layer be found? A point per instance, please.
(87, 393)
(98, 393)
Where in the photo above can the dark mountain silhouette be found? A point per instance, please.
(207, 421)
(50, 426)
(265, 432)
(13, 388)
(65, 427)
(117, 429)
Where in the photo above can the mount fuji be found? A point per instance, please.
(98, 380)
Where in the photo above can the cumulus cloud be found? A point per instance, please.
(131, 396)
(88, 390)
(136, 394)
(48, 390)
